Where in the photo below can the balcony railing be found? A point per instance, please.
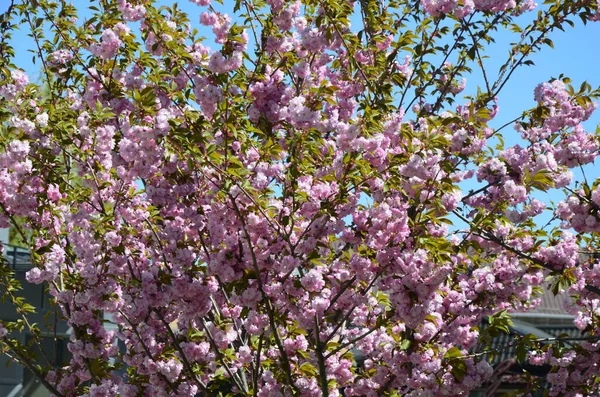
(18, 258)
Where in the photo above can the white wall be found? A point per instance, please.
(4, 235)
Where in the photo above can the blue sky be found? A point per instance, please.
(576, 54)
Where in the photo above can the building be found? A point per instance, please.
(549, 319)
(15, 381)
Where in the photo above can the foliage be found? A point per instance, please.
(301, 204)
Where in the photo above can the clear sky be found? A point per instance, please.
(576, 54)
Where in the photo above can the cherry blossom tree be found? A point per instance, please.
(301, 204)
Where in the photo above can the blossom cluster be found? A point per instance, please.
(262, 214)
(461, 9)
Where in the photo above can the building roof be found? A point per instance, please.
(551, 309)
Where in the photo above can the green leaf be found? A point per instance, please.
(307, 368)
(459, 369)
(523, 347)
(405, 344)
(453, 352)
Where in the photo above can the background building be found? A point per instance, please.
(15, 381)
(549, 319)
